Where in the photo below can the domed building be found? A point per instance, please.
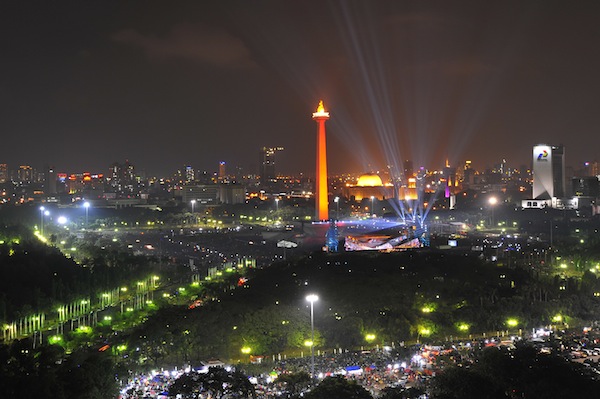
(369, 180)
(367, 186)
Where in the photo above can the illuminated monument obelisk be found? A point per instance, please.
(321, 199)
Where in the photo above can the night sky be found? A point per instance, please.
(162, 84)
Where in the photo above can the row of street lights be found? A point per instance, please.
(62, 220)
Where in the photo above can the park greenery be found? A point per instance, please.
(36, 277)
(389, 298)
(365, 299)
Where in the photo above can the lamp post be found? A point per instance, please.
(194, 219)
(86, 205)
(493, 201)
(372, 204)
(42, 219)
(277, 204)
(312, 298)
(337, 204)
(46, 213)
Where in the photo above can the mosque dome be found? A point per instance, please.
(369, 180)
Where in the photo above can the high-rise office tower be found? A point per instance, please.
(408, 169)
(267, 164)
(122, 177)
(190, 175)
(548, 172)
(222, 171)
(25, 174)
(3, 173)
(50, 179)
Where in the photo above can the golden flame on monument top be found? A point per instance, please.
(321, 113)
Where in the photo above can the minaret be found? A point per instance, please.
(321, 189)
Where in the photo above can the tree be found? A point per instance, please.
(462, 383)
(240, 386)
(89, 374)
(519, 373)
(401, 393)
(187, 386)
(338, 388)
(293, 384)
(215, 383)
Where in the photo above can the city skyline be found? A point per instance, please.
(85, 85)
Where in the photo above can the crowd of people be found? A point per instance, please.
(380, 367)
(373, 369)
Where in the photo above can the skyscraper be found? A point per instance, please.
(122, 177)
(189, 174)
(25, 174)
(50, 181)
(321, 189)
(267, 164)
(222, 171)
(3, 173)
(548, 172)
(408, 169)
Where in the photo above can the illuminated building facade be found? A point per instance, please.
(87, 185)
(321, 189)
(591, 169)
(3, 173)
(267, 165)
(122, 178)
(212, 194)
(189, 174)
(222, 171)
(25, 174)
(368, 186)
(548, 172)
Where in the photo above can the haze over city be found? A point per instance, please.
(86, 84)
(299, 200)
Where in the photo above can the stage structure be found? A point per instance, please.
(400, 237)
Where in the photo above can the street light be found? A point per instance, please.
(312, 298)
(277, 204)
(193, 202)
(372, 204)
(337, 203)
(42, 219)
(46, 213)
(493, 201)
(86, 205)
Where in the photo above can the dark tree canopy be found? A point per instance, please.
(45, 372)
(216, 383)
(520, 373)
(338, 387)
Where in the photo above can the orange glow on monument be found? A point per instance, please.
(321, 189)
